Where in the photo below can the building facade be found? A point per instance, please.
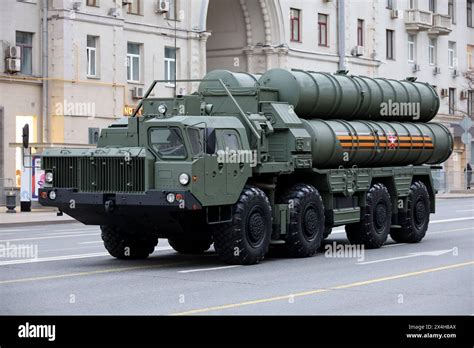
(82, 64)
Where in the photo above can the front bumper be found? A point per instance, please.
(104, 208)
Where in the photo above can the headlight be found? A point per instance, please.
(184, 179)
(170, 197)
(162, 109)
(48, 177)
(52, 195)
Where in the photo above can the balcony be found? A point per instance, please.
(442, 25)
(417, 20)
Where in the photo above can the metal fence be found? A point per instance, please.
(452, 181)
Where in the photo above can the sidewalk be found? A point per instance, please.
(456, 194)
(37, 216)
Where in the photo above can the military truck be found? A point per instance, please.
(253, 162)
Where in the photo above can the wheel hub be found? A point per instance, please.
(420, 212)
(380, 216)
(256, 228)
(310, 223)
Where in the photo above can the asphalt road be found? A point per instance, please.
(73, 274)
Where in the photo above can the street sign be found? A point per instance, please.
(466, 123)
(466, 138)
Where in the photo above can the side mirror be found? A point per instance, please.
(26, 136)
(211, 141)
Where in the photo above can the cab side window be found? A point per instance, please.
(231, 140)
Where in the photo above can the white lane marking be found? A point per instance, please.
(431, 222)
(94, 246)
(47, 232)
(339, 230)
(163, 248)
(15, 230)
(208, 269)
(458, 229)
(465, 210)
(75, 248)
(50, 237)
(393, 245)
(424, 253)
(53, 258)
(85, 233)
(64, 257)
(450, 220)
(99, 241)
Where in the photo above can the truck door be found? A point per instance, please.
(215, 171)
(235, 161)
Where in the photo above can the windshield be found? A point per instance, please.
(168, 142)
(196, 138)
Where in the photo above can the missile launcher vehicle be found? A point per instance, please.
(253, 162)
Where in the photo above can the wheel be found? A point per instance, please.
(306, 227)
(376, 218)
(190, 246)
(246, 239)
(123, 245)
(327, 232)
(414, 222)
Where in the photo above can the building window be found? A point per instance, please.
(470, 103)
(94, 134)
(360, 32)
(323, 29)
(135, 7)
(452, 11)
(172, 13)
(25, 41)
(412, 4)
(411, 48)
(170, 65)
(390, 44)
(452, 100)
(94, 3)
(452, 63)
(133, 62)
(432, 51)
(432, 6)
(390, 4)
(470, 57)
(91, 56)
(469, 12)
(295, 18)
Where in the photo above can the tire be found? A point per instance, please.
(190, 246)
(245, 240)
(373, 229)
(306, 227)
(123, 245)
(414, 222)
